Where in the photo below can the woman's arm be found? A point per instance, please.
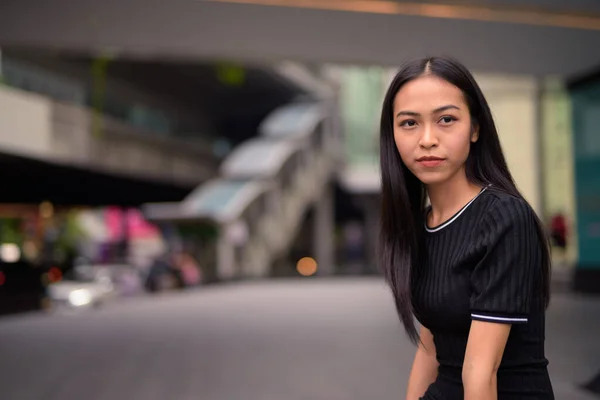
(485, 347)
(424, 368)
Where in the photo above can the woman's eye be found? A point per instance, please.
(447, 119)
(408, 123)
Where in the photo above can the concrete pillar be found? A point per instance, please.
(539, 148)
(335, 134)
(371, 212)
(226, 263)
(323, 235)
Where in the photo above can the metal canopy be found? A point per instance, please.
(323, 31)
(258, 158)
(293, 121)
(219, 200)
(222, 200)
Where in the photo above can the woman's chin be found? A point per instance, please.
(432, 178)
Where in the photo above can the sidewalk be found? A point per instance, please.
(572, 341)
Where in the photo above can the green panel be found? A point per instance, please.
(586, 128)
(361, 99)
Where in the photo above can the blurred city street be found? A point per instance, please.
(329, 339)
(194, 196)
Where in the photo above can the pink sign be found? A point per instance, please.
(137, 226)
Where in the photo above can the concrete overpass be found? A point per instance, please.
(55, 147)
(538, 37)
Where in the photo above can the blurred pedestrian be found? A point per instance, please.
(189, 269)
(558, 231)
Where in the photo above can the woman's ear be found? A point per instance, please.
(475, 134)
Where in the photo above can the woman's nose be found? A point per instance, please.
(428, 138)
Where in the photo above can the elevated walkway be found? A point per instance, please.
(264, 190)
(40, 128)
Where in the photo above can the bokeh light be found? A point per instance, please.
(46, 210)
(55, 274)
(10, 252)
(306, 266)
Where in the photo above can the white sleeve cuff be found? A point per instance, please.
(505, 320)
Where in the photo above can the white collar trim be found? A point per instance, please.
(455, 217)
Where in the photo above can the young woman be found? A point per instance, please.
(473, 267)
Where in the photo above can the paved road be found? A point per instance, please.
(288, 340)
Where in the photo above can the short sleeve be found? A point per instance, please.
(502, 281)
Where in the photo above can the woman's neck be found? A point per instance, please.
(447, 198)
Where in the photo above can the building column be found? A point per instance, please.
(371, 212)
(225, 258)
(539, 148)
(323, 234)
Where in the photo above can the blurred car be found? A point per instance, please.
(87, 286)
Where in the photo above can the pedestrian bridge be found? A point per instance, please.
(263, 191)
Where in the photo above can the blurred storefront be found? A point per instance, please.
(585, 96)
(42, 244)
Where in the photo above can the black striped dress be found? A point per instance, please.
(484, 264)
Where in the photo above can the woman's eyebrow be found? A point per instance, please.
(437, 110)
(444, 108)
(409, 113)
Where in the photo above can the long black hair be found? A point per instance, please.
(403, 195)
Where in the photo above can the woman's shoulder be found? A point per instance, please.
(500, 211)
(495, 202)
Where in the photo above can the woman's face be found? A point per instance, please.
(432, 129)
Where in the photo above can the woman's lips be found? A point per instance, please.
(430, 162)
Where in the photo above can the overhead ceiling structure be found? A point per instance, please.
(32, 181)
(233, 106)
(514, 36)
(232, 98)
